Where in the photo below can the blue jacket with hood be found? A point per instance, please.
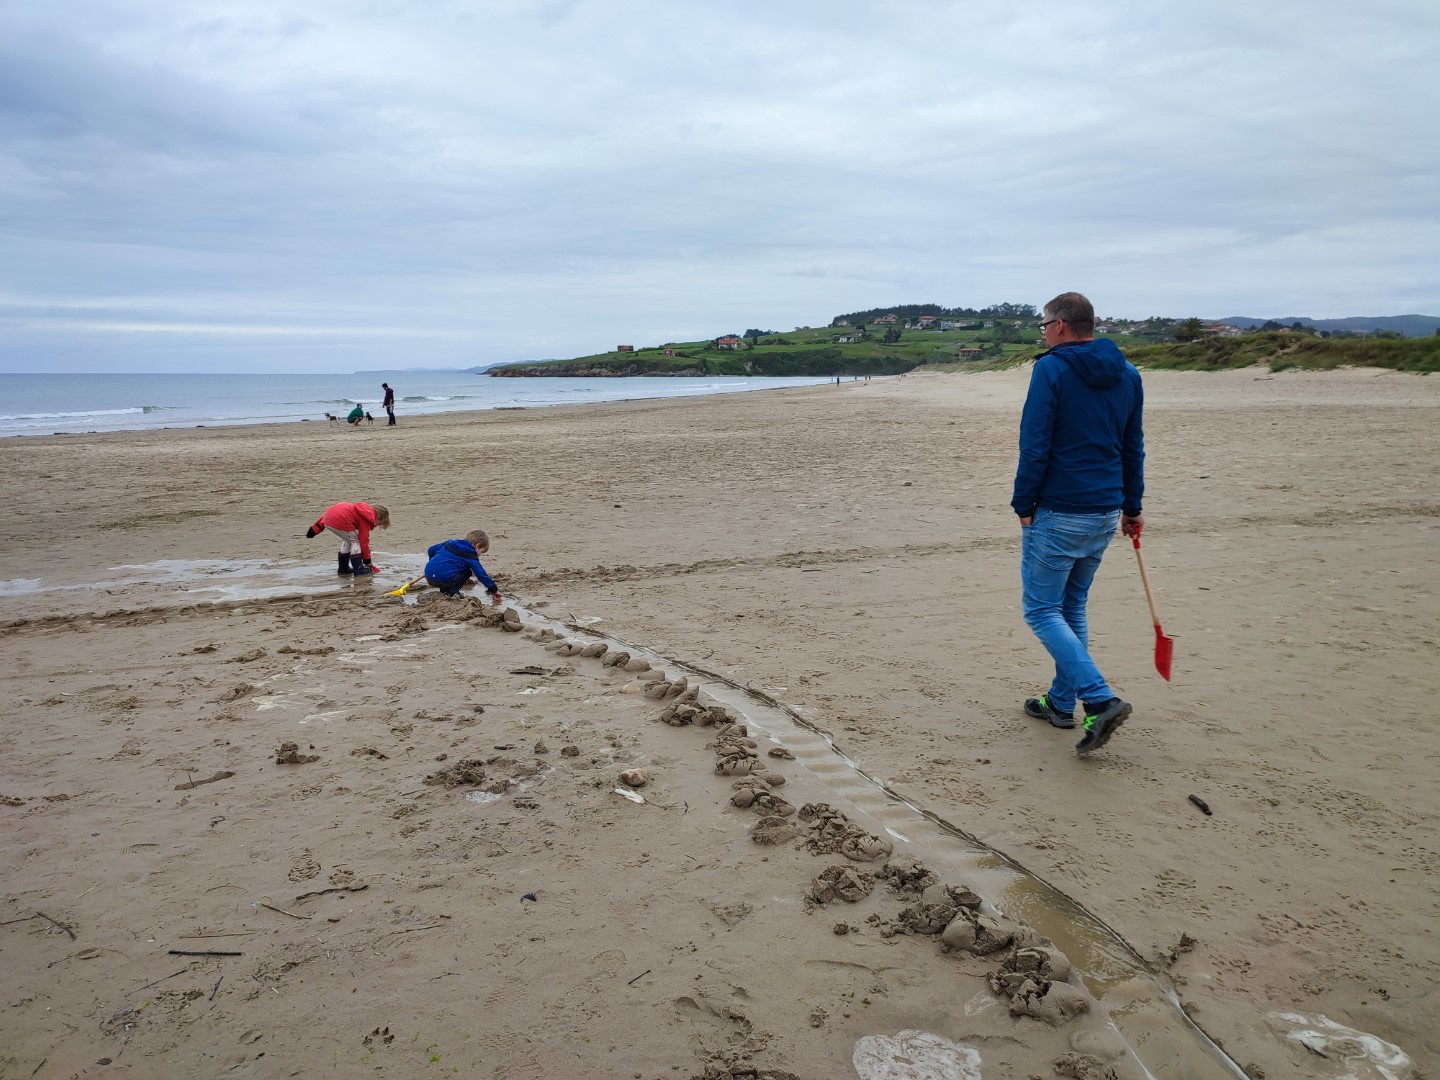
(452, 563)
(1082, 441)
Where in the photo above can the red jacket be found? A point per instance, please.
(356, 516)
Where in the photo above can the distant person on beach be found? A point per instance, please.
(352, 523)
(453, 562)
(389, 402)
(356, 415)
(1081, 473)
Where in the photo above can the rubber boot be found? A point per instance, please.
(344, 564)
(358, 567)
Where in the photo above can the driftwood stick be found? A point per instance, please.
(157, 982)
(282, 911)
(215, 989)
(326, 892)
(53, 922)
(206, 952)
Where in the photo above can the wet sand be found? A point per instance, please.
(845, 552)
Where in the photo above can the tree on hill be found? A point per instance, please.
(1192, 329)
(1008, 311)
(914, 311)
(903, 311)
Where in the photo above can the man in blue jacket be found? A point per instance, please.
(1081, 472)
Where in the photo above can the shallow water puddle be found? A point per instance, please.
(219, 580)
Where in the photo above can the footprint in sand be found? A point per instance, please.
(304, 868)
(732, 914)
(1079, 1066)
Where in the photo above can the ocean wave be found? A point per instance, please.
(135, 411)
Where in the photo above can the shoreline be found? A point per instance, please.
(1259, 373)
(282, 415)
(850, 557)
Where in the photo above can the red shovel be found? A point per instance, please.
(1164, 646)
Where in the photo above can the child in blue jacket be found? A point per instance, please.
(454, 561)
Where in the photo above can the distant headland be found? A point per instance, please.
(895, 340)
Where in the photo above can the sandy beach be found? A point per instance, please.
(260, 822)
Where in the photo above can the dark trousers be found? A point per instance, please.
(390, 409)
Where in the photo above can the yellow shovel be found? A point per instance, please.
(401, 590)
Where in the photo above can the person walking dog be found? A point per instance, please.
(389, 402)
(1081, 473)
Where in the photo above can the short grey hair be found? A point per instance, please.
(1078, 313)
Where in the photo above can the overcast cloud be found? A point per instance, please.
(333, 185)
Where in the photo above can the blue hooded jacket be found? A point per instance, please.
(1082, 441)
(453, 561)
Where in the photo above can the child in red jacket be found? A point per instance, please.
(352, 523)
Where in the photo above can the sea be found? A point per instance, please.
(61, 404)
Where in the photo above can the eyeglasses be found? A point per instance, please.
(1049, 322)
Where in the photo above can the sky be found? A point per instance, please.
(341, 185)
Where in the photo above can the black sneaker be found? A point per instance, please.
(1103, 723)
(1041, 709)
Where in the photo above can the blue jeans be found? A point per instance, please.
(1059, 554)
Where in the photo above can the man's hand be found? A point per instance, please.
(1131, 526)
(495, 597)
(1026, 520)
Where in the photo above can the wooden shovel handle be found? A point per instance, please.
(1145, 580)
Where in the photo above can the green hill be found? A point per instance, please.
(1281, 351)
(810, 351)
(826, 352)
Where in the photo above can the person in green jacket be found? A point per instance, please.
(356, 415)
